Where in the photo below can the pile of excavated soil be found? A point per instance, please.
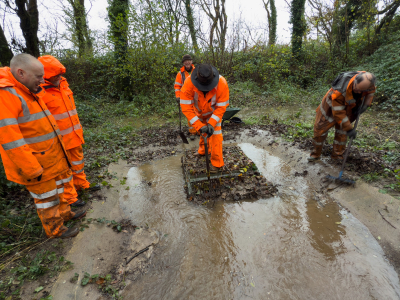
(238, 180)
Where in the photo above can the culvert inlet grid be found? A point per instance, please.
(239, 179)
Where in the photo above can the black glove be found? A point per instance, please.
(207, 129)
(352, 133)
(178, 100)
(39, 177)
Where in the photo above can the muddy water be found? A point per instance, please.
(286, 247)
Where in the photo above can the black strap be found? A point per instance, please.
(46, 87)
(183, 77)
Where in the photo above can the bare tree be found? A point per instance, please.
(215, 10)
(28, 14)
(190, 19)
(272, 22)
(77, 19)
(5, 51)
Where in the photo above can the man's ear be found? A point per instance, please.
(20, 73)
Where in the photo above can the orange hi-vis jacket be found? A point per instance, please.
(61, 104)
(180, 80)
(209, 109)
(338, 103)
(31, 143)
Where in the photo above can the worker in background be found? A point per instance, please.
(182, 75)
(60, 102)
(204, 98)
(351, 94)
(32, 149)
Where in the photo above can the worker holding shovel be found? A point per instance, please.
(204, 98)
(184, 73)
(350, 95)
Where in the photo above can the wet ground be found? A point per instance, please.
(312, 240)
(286, 247)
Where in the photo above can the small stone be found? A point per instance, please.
(327, 216)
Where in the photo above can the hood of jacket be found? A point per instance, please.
(52, 66)
(6, 78)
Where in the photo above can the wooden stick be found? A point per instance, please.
(386, 220)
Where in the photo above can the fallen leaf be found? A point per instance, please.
(338, 223)
(37, 290)
(252, 284)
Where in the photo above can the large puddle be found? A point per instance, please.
(286, 247)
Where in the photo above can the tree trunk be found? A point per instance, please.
(388, 16)
(28, 14)
(81, 28)
(190, 19)
(5, 51)
(297, 10)
(117, 13)
(118, 16)
(272, 15)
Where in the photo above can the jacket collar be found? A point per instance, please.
(184, 70)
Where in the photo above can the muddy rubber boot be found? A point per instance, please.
(311, 158)
(71, 232)
(78, 203)
(93, 188)
(79, 215)
(214, 169)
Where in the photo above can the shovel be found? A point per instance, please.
(181, 134)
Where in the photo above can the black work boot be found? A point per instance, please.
(71, 232)
(79, 215)
(93, 188)
(78, 203)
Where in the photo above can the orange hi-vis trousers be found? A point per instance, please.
(52, 208)
(321, 128)
(70, 194)
(214, 144)
(78, 174)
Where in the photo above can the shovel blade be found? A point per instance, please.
(183, 137)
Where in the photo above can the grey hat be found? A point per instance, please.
(205, 77)
(186, 57)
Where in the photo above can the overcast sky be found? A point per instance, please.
(252, 12)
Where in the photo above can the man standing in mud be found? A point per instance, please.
(184, 73)
(204, 98)
(350, 95)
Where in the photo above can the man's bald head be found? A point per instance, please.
(364, 82)
(27, 70)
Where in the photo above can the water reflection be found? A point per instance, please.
(284, 247)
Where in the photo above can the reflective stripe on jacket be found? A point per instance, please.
(337, 105)
(179, 81)
(31, 143)
(61, 104)
(199, 109)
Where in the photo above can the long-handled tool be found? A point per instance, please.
(182, 135)
(208, 165)
(346, 154)
(207, 160)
